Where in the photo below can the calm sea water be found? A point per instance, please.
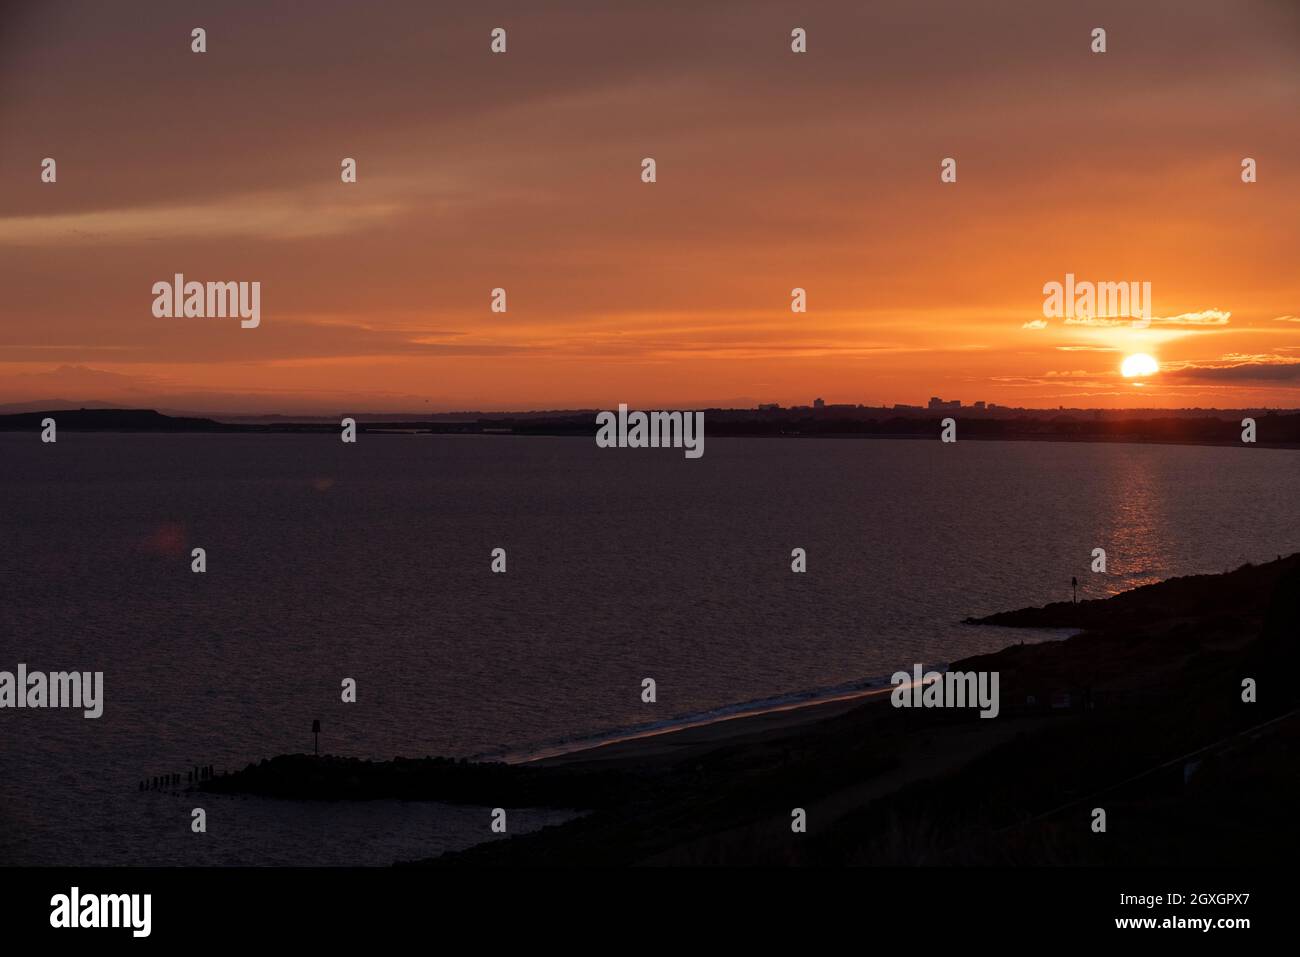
(371, 561)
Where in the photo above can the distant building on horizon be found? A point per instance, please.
(819, 403)
(938, 404)
(769, 407)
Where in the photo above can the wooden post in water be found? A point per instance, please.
(315, 730)
(1074, 587)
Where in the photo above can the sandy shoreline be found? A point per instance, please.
(673, 742)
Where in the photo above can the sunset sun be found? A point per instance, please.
(1139, 365)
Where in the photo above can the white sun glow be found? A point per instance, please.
(1139, 365)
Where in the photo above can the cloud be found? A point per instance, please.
(1287, 319)
(79, 382)
(1273, 371)
(1207, 317)
(1100, 322)
(1035, 324)
(274, 217)
(71, 386)
(83, 375)
(206, 341)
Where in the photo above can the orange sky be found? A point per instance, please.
(522, 170)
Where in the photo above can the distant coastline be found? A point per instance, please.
(1275, 428)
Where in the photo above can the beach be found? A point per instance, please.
(679, 742)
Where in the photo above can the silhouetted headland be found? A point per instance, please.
(109, 420)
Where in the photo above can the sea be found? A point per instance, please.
(372, 561)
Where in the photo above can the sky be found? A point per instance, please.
(522, 171)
